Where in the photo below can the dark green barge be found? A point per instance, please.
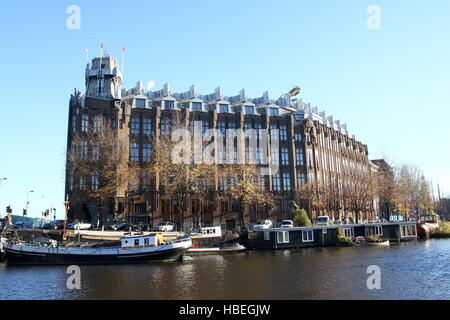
(326, 236)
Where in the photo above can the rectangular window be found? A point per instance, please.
(147, 126)
(134, 152)
(274, 134)
(284, 157)
(95, 182)
(134, 126)
(349, 232)
(283, 133)
(146, 152)
(283, 237)
(275, 157)
(262, 182)
(307, 236)
(169, 104)
(300, 179)
(286, 182)
(84, 123)
(146, 181)
(164, 126)
(300, 157)
(298, 137)
(222, 127)
(274, 111)
(223, 108)
(205, 126)
(95, 152)
(196, 106)
(266, 235)
(140, 103)
(249, 110)
(96, 123)
(84, 150)
(276, 182)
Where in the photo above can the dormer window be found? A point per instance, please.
(196, 106)
(274, 111)
(169, 104)
(223, 108)
(249, 110)
(140, 103)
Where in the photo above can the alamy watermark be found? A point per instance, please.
(374, 18)
(73, 22)
(74, 279)
(374, 280)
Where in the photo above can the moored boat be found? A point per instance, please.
(130, 249)
(208, 240)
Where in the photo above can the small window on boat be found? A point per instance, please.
(307, 236)
(283, 237)
(147, 241)
(379, 230)
(348, 232)
(266, 235)
(136, 242)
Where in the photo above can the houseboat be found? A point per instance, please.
(209, 240)
(129, 249)
(324, 236)
(427, 223)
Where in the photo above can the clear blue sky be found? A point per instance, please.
(391, 86)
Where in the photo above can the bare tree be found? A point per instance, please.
(242, 185)
(98, 163)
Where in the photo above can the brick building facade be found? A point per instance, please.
(310, 148)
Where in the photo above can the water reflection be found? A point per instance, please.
(315, 273)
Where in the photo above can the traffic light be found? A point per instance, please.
(24, 212)
(8, 209)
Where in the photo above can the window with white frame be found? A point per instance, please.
(307, 235)
(349, 232)
(96, 123)
(165, 127)
(301, 179)
(274, 133)
(283, 237)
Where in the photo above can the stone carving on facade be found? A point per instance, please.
(311, 131)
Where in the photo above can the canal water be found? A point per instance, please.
(410, 270)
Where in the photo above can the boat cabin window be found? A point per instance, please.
(146, 241)
(408, 231)
(307, 236)
(349, 232)
(136, 242)
(283, 237)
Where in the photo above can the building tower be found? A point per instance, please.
(103, 78)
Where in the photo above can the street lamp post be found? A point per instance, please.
(28, 202)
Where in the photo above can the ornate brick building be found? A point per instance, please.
(302, 144)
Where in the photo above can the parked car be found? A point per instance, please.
(287, 224)
(121, 226)
(79, 225)
(54, 225)
(322, 221)
(338, 221)
(141, 227)
(164, 226)
(262, 224)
